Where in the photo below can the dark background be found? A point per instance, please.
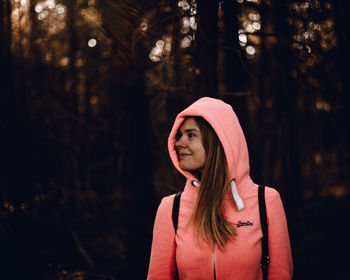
(90, 89)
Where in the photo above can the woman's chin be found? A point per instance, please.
(186, 168)
(193, 170)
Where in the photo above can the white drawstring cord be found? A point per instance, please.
(236, 197)
(195, 183)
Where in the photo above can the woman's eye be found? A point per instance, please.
(191, 135)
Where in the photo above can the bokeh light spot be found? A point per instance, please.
(242, 38)
(60, 9)
(64, 61)
(186, 42)
(256, 25)
(143, 26)
(160, 44)
(92, 43)
(93, 100)
(250, 50)
(38, 8)
(250, 28)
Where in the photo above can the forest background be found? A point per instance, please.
(89, 92)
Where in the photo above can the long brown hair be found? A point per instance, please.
(212, 227)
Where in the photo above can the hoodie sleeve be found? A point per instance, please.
(281, 263)
(162, 260)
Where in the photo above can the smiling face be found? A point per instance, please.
(189, 146)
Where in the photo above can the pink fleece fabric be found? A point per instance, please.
(240, 258)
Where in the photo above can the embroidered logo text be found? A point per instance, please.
(245, 224)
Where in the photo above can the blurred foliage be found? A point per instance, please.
(90, 89)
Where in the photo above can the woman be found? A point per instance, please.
(218, 234)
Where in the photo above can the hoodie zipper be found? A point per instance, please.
(214, 262)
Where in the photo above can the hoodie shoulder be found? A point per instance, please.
(169, 198)
(274, 204)
(165, 207)
(271, 193)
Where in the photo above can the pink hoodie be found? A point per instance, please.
(240, 259)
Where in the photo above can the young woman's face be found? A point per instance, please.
(189, 147)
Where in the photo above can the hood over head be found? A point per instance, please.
(224, 121)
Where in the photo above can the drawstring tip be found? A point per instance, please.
(195, 183)
(238, 200)
(239, 203)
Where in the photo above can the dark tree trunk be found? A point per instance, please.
(287, 126)
(261, 148)
(343, 35)
(7, 105)
(235, 74)
(135, 176)
(206, 55)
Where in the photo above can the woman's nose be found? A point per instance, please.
(179, 143)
